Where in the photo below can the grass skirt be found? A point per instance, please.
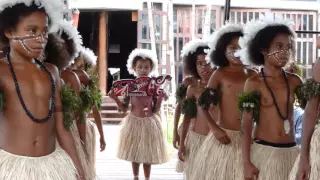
(314, 158)
(91, 144)
(142, 140)
(180, 164)
(273, 163)
(193, 144)
(55, 166)
(216, 161)
(87, 168)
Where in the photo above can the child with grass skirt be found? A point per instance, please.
(220, 154)
(268, 100)
(141, 136)
(192, 137)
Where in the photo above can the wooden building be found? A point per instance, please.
(114, 28)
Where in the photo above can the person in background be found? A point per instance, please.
(110, 80)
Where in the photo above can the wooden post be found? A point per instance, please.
(103, 47)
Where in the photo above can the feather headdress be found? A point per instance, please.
(192, 46)
(54, 9)
(215, 37)
(73, 34)
(144, 53)
(253, 27)
(89, 56)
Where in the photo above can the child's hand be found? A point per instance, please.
(112, 94)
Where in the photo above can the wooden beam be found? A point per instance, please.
(103, 47)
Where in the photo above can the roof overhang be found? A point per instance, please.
(106, 4)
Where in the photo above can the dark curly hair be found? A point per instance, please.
(218, 56)
(190, 61)
(56, 52)
(10, 17)
(263, 40)
(70, 44)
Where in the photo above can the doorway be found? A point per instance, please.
(122, 40)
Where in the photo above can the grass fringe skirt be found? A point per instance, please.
(55, 166)
(194, 142)
(216, 161)
(142, 140)
(91, 144)
(82, 154)
(314, 158)
(273, 163)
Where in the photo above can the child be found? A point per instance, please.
(191, 143)
(141, 136)
(188, 55)
(218, 158)
(268, 100)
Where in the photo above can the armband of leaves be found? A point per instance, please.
(2, 100)
(250, 102)
(95, 90)
(71, 104)
(209, 97)
(306, 91)
(301, 96)
(189, 107)
(125, 102)
(181, 92)
(86, 102)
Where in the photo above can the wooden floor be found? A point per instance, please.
(110, 168)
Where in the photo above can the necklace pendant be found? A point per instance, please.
(286, 125)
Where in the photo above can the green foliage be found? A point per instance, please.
(2, 100)
(209, 97)
(181, 92)
(308, 90)
(189, 107)
(71, 104)
(250, 102)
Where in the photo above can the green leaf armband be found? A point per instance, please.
(301, 96)
(250, 102)
(181, 92)
(209, 97)
(189, 107)
(2, 100)
(95, 90)
(71, 104)
(306, 91)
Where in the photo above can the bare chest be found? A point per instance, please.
(276, 93)
(31, 82)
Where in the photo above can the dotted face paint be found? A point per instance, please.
(29, 38)
(282, 56)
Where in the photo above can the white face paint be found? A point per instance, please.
(30, 40)
(282, 56)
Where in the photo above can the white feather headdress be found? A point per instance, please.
(144, 53)
(73, 33)
(89, 56)
(215, 37)
(253, 27)
(192, 46)
(54, 9)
